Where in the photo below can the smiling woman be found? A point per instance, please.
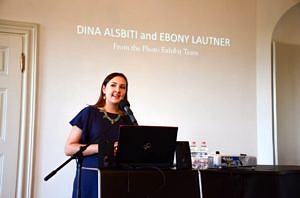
(96, 126)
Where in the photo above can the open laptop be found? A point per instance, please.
(146, 147)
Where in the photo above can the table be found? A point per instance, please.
(145, 183)
(262, 181)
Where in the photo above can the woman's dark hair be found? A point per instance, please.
(101, 100)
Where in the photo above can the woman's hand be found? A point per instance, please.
(73, 143)
(115, 148)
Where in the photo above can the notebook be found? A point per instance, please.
(146, 147)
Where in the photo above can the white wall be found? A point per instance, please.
(210, 97)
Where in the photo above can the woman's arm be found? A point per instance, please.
(73, 143)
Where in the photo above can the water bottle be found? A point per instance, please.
(217, 160)
(203, 155)
(194, 155)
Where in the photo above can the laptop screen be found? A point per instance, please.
(146, 146)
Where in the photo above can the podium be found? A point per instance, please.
(152, 182)
(144, 183)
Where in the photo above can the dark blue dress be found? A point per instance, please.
(95, 128)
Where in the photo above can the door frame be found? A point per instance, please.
(29, 34)
(274, 103)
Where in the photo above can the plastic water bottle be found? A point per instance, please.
(194, 155)
(203, 155)
(217, 160)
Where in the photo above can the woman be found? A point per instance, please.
(94, 124)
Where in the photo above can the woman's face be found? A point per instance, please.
(115, 90)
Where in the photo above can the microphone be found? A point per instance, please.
(125, 106)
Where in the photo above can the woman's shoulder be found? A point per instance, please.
(91, 109)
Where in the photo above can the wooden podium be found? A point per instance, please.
(154, 183)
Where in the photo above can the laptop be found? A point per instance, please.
(146, 146)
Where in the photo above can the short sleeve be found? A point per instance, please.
(81, 119)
